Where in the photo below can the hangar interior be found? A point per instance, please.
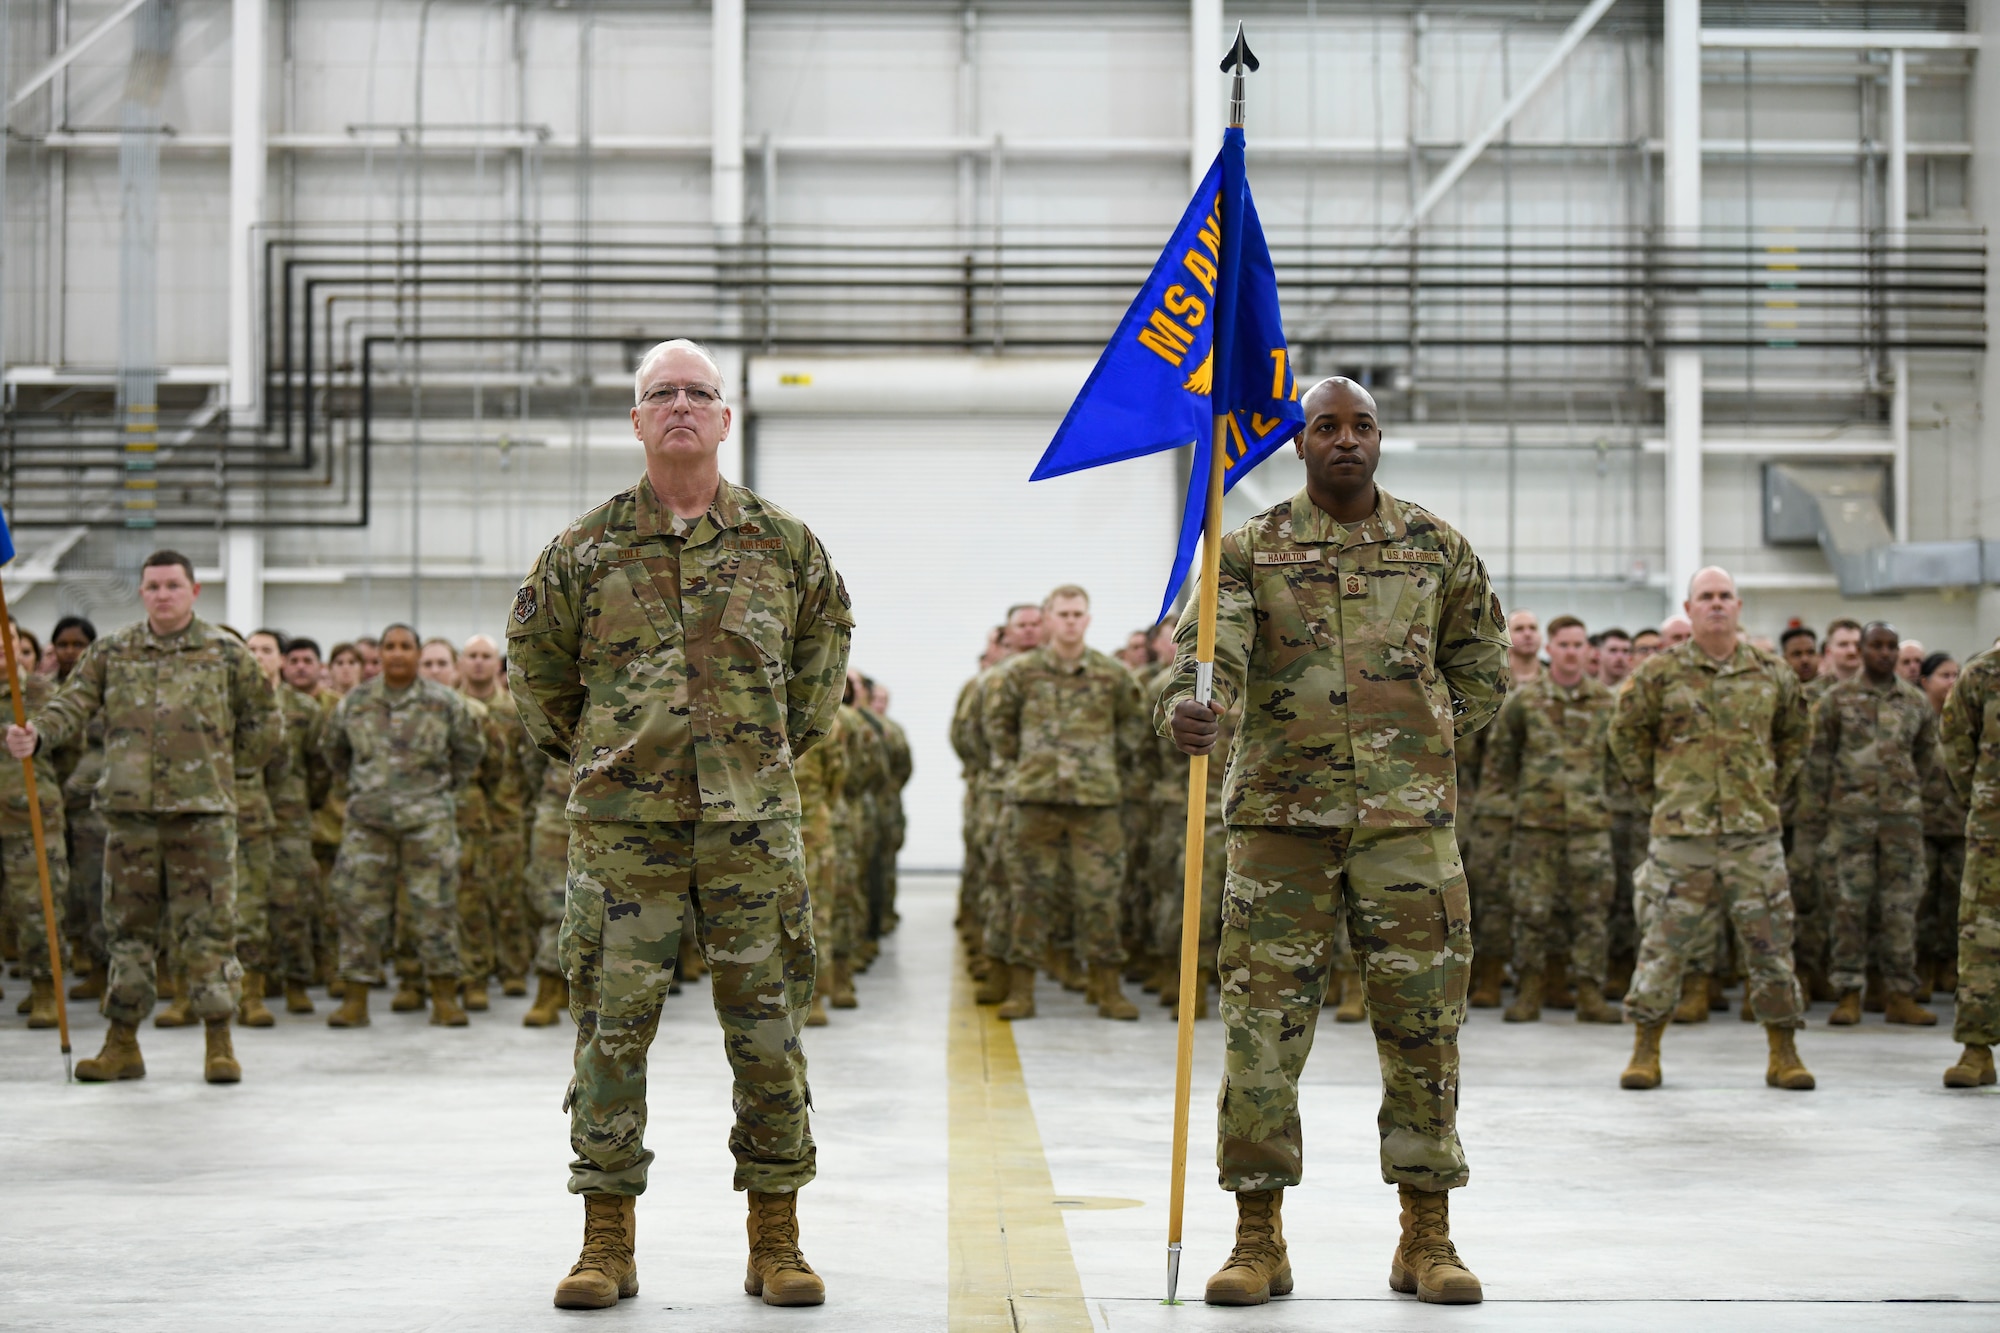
(343, 298)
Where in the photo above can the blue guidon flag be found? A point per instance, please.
(1203, 339)
(6, 540)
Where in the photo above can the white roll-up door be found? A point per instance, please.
(937, 530)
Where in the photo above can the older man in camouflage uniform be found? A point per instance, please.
(1715, 730)
(1067, 721)
(408, 748)
(1874, 738)
(677, 649)
(1969, 733)
(1548, 748)
(184, 707)
(1358, 634)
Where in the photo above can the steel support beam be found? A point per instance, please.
(726, 56)
(1572, 36)
(1681, 221)
(1897, 205)
(1206, 43)
(61, 60)
(247, 156)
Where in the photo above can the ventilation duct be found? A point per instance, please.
(1844, 508)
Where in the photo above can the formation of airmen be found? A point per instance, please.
(389, 812)
(1074, 826)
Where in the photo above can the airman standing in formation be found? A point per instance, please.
(497, 938)
(20, 881)
(1715, 731)
(1874, 740)
(407, 748)
(1067, 722)
(297, 900)
(1548, 748)
(1359, 635)
(677, 649)
(1969, 733)
(185, 707)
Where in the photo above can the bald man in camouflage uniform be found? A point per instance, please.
(678, 648)
(1357, 647)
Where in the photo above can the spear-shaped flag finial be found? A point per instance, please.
(1239, 59)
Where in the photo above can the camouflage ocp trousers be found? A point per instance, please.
(1879, 865)
(372, 862)
(630, 886)
(1978, 1019)
(170, 880)
(1170, 884)
(294, 898)
(253, 903)
(1937, 918)
(83, 913)
(1065, 861)
(1403, 894)
(1688, 886)
(490, 907)
(21, 891)
(1486, 849)
(1562, 885)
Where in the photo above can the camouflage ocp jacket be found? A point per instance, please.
(1355, 656)
(182, 712)
(1970, 740)
(678, 667)
(1871, 750)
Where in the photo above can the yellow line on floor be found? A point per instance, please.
(1011, 1268)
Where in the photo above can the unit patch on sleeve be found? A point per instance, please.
(524, 604)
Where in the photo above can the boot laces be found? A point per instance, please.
(1430, 1237)
(777, 1246)
(604, 1242)
(1256, 1238)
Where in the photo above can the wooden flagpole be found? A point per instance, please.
(1197, 827)
(41, 845)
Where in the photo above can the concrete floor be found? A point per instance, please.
(407, 1177)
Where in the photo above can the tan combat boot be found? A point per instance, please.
(251, 1011)
(218, 1063)
(477, 1001)
(1427, 1265)
(513, 986)
(1591, 1006)
(42, 1003)
(1556, 993)
(1170, 985)
(1947, 978)
(1973, 1070)
(353, 1011)
(1527, 1006)
(1926, 982)
(1786, 1070)
(1487, 976)
(119, 1059)
(408, 997)
(777, 1271)
(840, 990)
(1693, 1007)
(605, 1272)
(1111, 1001)
(551, 998)
(1847, 1013)
(90, 986)
(177, 1014)
(445, 1011)
(1258, 1267)
(1644, 1070)
(1900, 1008)
(816, 1009)
(1020, 1001)
(1354, 998)
(692, 965)
(993, 986)
(296, 999)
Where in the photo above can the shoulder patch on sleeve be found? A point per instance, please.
(524, 604)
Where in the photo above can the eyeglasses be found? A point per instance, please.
(698, 395)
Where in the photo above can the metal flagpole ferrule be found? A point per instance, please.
(1204, 682)
(1173, 1272)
